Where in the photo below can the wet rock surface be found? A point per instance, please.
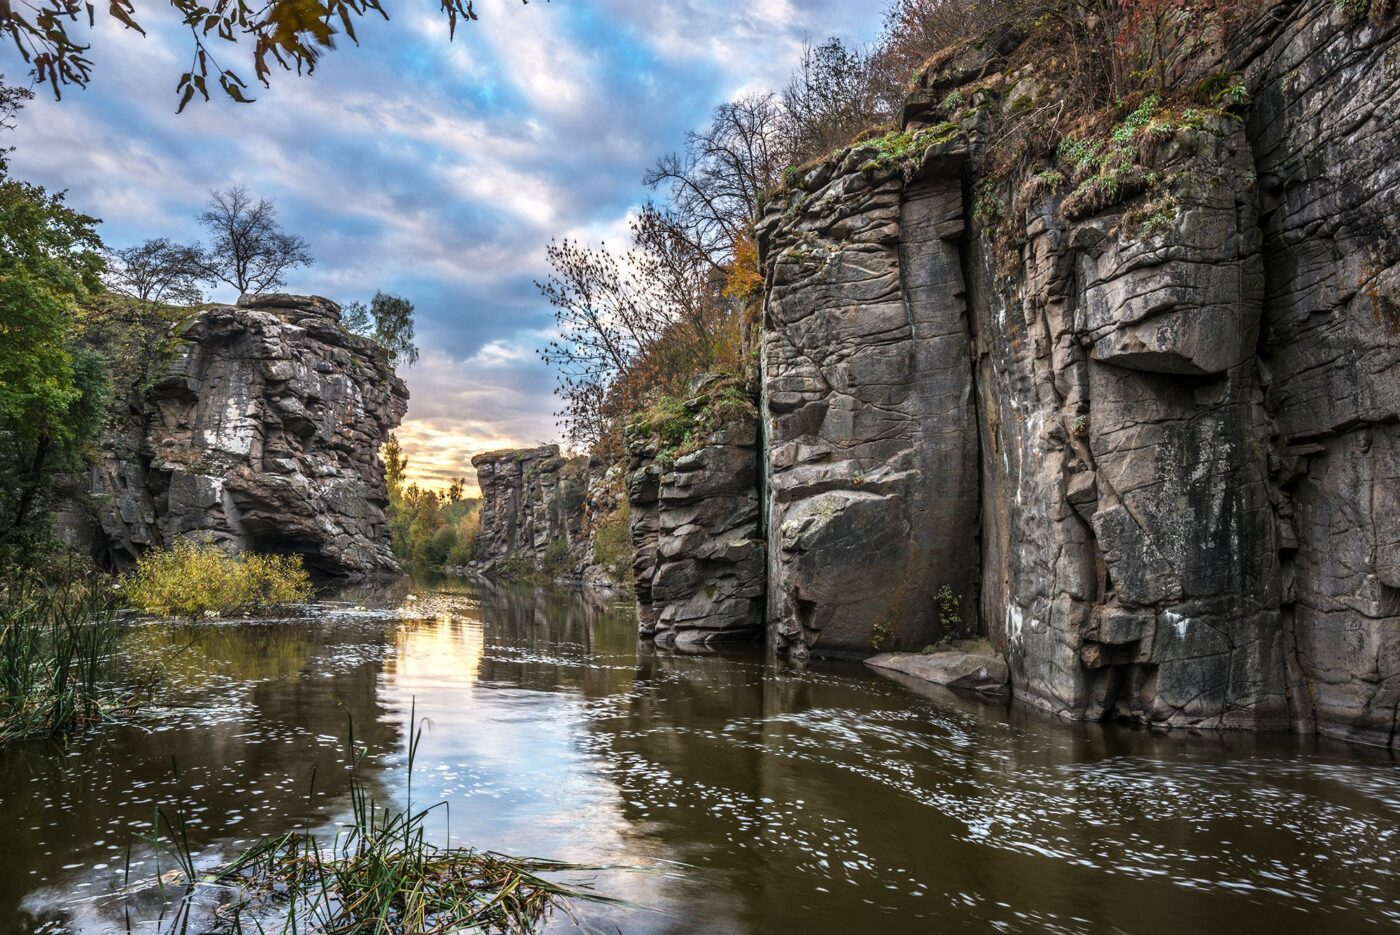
(260, 432)
(983, 671)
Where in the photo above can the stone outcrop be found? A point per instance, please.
(260, 432)
(1142, 432)
(698, 554)
(982, 671)
(1324, 132)
(1130, 561)
(868, 406)
(532, 506)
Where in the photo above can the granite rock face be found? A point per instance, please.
(1130, 566)
(1156, 456)
(1325, 131)
(698, 568)
(262, 432)
(868, 408)
(532, 505)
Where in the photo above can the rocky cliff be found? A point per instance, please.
(1126, 407)
(260, 431)
(694, 498)
(1135, 417)
(532, 506)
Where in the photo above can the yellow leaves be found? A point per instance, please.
(744, 280)
(192, 580)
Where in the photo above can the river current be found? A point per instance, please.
(740, 794)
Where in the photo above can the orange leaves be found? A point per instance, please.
(744, 280)
(286, 34)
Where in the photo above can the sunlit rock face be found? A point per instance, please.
(868, 408)
(532, 506)
(261, 432)
(697, 550)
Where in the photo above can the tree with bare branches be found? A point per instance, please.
(249, 251)
(714, 185)
(156, 272)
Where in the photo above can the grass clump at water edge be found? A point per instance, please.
(58, 665)
(190, 580)
(380, 876)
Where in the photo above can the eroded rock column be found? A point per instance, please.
(695, 522)
(868, 404)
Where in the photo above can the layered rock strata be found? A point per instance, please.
(1149, 440)
(868, 407)
(260, 432)
(698, 555)
(532, 506)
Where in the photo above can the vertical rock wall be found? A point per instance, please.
(1131, 561)
(532, 504)
(694, 516)
(1186, 509)
(868, 408)
(261, 432)
(1325, 134)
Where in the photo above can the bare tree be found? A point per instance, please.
(250, 251)
(830, 99)
(714, 186)
(157, 272)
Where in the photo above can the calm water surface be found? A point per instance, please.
(756, 797)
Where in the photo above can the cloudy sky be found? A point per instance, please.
(430, 169)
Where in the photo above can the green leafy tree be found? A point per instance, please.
(355, 317)
(393, 326)
(388, 320)
(51, 396)
(395, 467)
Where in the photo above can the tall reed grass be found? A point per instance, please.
(380, 877)
(58, 665)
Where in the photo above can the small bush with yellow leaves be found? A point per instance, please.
(191, 580)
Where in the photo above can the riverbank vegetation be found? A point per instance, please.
(190, 580)
(381, 874)
(58, 666)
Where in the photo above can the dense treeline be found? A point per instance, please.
(428, 528)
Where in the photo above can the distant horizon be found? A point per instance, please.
(434, 170)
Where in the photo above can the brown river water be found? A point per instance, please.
(742, 794)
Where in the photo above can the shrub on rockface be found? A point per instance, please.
(191, 580)
(612, 544)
